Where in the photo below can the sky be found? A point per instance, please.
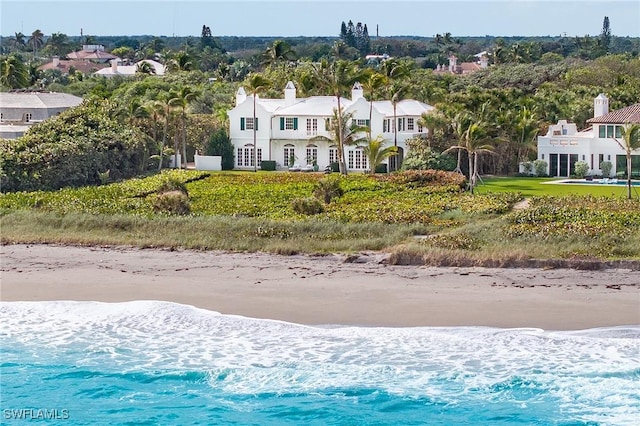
(289, 18)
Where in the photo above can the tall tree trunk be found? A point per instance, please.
(184, 140)
(471, 176)
(629, 175)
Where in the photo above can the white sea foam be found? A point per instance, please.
(594, 370)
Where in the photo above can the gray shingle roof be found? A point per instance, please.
(33, 100)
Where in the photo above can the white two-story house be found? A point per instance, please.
(286, 128)
(564, 145)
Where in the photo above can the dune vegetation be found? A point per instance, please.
(420, 217)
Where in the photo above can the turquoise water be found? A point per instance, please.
(163, 363)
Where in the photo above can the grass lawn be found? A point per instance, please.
(536, 187)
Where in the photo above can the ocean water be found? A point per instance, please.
(150, 362)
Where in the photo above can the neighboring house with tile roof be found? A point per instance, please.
(481, 62)
(291, 123)
(564, 145)
(119, 68)
(65, 65)
(92, 52)
(20, 110)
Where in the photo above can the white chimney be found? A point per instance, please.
(56, 61)
(114, 66)
(357, 92)
(453, 63)
(484, 61)
(289, 94)
(600, 105)
(241, 96)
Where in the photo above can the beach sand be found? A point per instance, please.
(324, 290)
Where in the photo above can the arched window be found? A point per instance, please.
(312, 154)
(289, 155)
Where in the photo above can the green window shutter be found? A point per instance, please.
(256, 121)
(603, 132)
(241, 123)
(367, 122)
(295, 123)
(281, 123)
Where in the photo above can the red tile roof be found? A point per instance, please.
(94, 55)
(84, 67)
(630, 114)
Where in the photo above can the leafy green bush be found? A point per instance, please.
(581, 169)
(606, 167)
(307, 206)
(220, 144)
(540, 166)
(172, 202)
(327, 189)
(72, 149)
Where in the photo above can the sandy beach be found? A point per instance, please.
(324, 289)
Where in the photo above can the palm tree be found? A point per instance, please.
(459, 124)
(36, 41)
(630, 142)
(145, 68)
(257, 83)
(280, 52)
(18, 42)
(180, 62)
(13, 72)
(373, 82)
(474, 143)
(181, 100)
(376, 154)
(337, 77)
(344, 132)
(58, 44)
(397, 91)
(432, 121)
(525, 130)
(164, 106)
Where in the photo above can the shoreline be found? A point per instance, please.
(325, 290)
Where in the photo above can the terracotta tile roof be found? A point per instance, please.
(630, 114)
(95, 55)
(84, 67)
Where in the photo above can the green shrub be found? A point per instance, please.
(606, 167)
(308, 206)
(220, 144)
(540, 166)
(581, 169)
(72, 149)
(327, 189)
(172, 202)
(527, 168)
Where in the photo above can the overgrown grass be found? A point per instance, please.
(202, 233)
(416, 222)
